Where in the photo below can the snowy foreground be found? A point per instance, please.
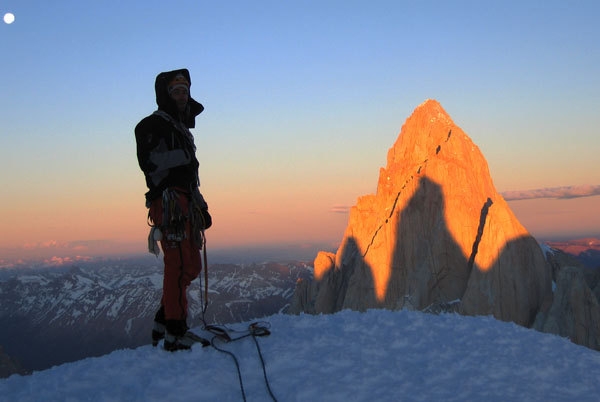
(349, 356)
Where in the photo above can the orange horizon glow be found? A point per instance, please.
(121, 229)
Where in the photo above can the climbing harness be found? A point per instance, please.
(173, 225)
(173, 218)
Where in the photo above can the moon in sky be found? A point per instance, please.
(9, 18)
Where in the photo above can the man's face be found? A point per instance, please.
(180, 96)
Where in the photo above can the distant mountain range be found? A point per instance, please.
(586, 251)
(53, 315)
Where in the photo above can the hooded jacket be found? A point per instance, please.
(165, 146)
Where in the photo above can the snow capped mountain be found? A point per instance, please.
(586, 250)
(59, 314)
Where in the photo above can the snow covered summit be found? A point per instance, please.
(378, 355)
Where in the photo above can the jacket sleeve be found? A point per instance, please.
(165, 159)
(155, 156)
(145, 142)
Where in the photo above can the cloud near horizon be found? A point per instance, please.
(340, 209)
(78, 245)
(565, 192)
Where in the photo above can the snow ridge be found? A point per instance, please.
(349, 356)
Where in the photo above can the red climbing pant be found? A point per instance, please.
(181, 259)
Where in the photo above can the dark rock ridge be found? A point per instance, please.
(8, 365)
(575, 309)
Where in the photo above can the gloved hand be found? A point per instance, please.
(207, 218)
(200, 203)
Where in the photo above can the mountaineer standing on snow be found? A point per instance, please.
(178, 212)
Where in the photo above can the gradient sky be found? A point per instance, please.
(303, 99)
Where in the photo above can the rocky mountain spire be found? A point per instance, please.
(436, 235)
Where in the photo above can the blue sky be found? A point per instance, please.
(302, 99)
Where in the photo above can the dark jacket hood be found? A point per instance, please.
(167, 104)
